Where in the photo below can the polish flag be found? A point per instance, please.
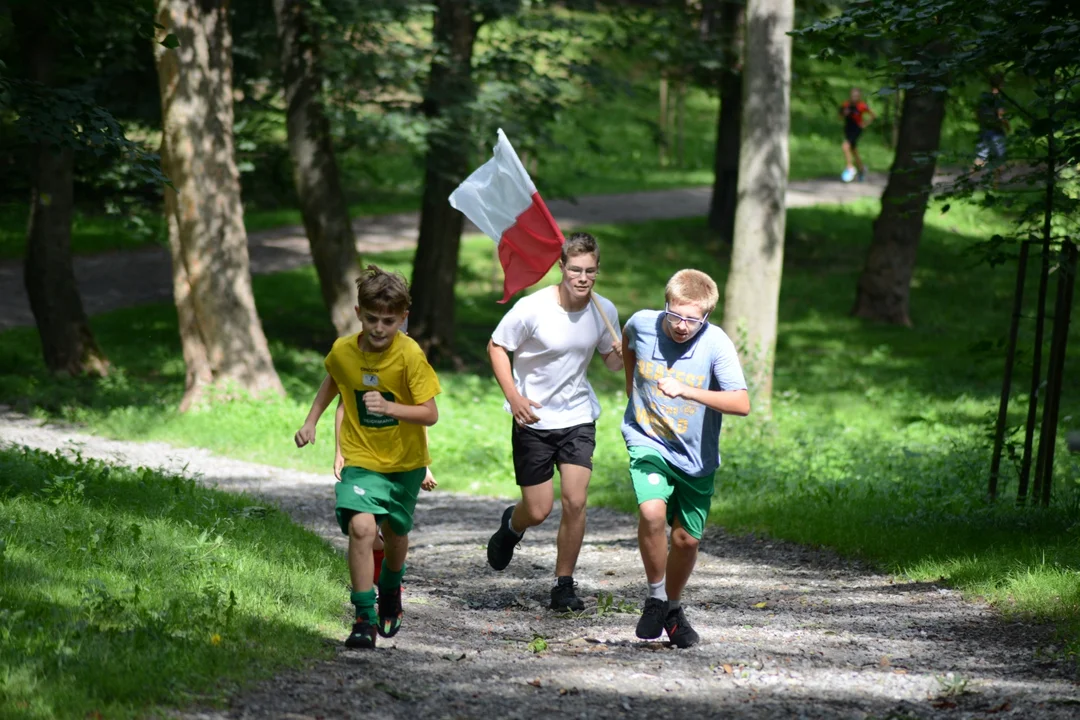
(501, 199)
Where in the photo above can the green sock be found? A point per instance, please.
(390, 579)
(365, 604)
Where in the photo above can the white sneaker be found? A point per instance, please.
(848, 175)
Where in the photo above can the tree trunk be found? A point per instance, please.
(729, 125)
(223, 340)
(752, 294)
(885, 283)
(315, 170)
(448, 101)
(67, 342)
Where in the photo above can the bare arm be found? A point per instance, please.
(729, 402)
(629, 361)
(327, 391)
(520, 406)
(339, 459)
(425, 413)
(613, 360)
(871, 116)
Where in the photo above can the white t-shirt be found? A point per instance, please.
(552, 349)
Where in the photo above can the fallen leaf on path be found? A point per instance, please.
(884, 662)
(535, 683)
(761, 605)
(728, 669)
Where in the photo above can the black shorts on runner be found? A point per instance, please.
(538, 452)
(852, 133)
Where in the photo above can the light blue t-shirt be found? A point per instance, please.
(685, 433)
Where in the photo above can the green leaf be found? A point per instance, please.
(171, 41)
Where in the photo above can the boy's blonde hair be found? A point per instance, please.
(381, 291)
(692, 286)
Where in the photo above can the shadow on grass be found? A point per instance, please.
(127, 589)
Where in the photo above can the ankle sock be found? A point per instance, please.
(390, 579)
(657, 590)
(365, 604)
(674, 605)
(510, 526)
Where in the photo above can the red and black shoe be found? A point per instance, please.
(390, 612)
(362, 636)
(678, 629)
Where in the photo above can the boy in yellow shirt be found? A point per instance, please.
(388, 391)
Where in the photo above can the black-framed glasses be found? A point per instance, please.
(574, 271)
(691, 323)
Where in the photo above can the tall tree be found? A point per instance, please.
(223, 341)
(732, 18)
(752, 294)
(67, 342)
(448, 101)
(315, 170)
(884, 286)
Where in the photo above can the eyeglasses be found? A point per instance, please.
(691, 323)
(573, 271)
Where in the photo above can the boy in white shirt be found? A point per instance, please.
(552, 335)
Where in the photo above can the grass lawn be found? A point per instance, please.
(878, 445)
(123, 590)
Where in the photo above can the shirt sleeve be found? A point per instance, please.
(607, 342)
(421, 378)
(515, 327)
(726, 368)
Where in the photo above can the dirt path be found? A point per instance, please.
(832, 640)
(123, 279)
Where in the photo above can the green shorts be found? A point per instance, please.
(688, 498)
(389, 496)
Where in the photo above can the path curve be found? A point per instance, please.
(109, 281)
(832, 640)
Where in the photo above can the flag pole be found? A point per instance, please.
(615, 338)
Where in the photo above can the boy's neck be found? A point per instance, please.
(567, 303)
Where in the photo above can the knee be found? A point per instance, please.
(573, 506)
(536, 512)
(653, 519)
(362, 528)
(683, 540)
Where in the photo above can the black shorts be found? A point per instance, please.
(852, 133)
(538, 452)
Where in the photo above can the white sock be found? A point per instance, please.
(510, 526)
(657, 590)
(674, 604)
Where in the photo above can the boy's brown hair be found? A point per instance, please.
(382, 291)
(692, 286)
(580, 243)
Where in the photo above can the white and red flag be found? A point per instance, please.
(501, 199)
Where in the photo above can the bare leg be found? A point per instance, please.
(534, 506)
(396, 548)
(574, 485)
(858, 160)
(362, 533)
(846, 147)
(680, 561)
(652, 538)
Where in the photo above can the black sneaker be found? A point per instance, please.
(362, 636)
(390, 612)
(678, 629)
(563, 597)
(651, 623)
(500, 547)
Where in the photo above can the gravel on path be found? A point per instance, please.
(114, 280)
(788, 631)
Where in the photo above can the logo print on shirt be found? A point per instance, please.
(359, 490)
(654, 478)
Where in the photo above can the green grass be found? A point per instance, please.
(123, 590)
(878, 445)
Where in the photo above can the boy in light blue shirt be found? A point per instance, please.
(682, 376)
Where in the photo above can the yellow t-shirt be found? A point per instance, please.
(403, 375)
